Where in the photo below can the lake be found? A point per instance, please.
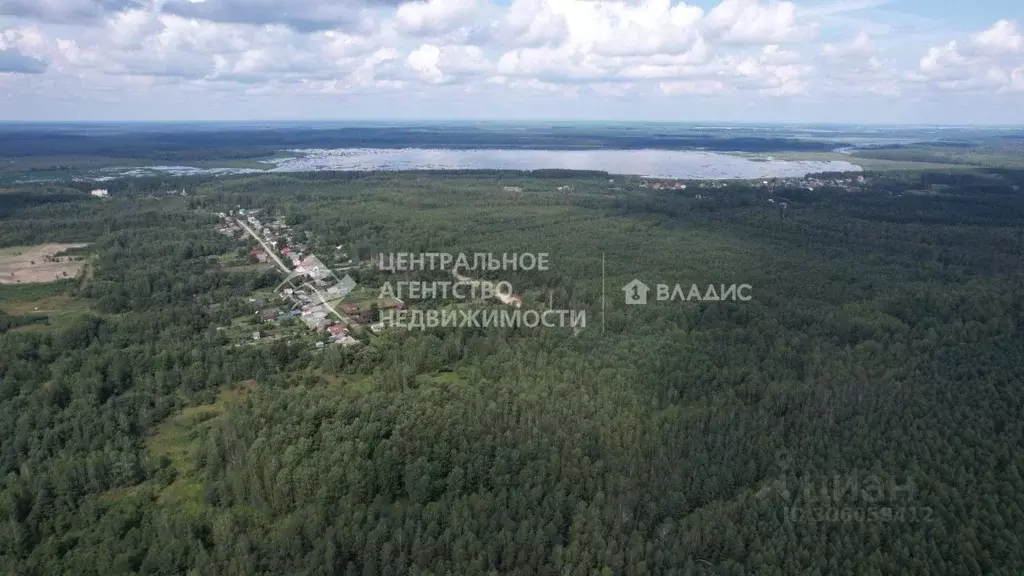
(686, 164)
(682, 164)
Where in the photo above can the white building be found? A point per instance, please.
(347, 341)
(100, 193)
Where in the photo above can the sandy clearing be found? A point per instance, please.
(33, 264)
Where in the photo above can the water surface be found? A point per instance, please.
(651, 163)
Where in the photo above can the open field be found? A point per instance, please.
(50, 300)
(35, 264)
(59, 309)
(12, 294)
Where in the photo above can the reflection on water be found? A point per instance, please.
(651, 163)
(687, 164)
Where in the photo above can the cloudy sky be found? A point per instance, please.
(860, 61)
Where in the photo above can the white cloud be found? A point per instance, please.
(566, 63)
(299, 15)
(943, 60)
(441, 64)
(862, 45)
(746, 50)
(702, 87)
(65, 11)
(989, 60)
(436, 17)
(1001, 37)
(843, 6)
(751, 21)
(857, 66)
(27, 40)
(532, 23)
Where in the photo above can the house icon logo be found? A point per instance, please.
(636, 292)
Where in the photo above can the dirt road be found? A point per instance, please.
(266, 247)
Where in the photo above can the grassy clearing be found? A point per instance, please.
(58, 309)
(14, 294)
(178, 440)
(441, 379)
(350, 383)
(50, 299)
(242, 268)
(362, 296)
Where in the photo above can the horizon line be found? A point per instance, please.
(515, 121)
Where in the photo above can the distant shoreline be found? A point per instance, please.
(645, 163)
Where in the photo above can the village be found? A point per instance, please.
(311, 293)
(811, 183)
(313, 298)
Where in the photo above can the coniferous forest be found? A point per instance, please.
(862, 413)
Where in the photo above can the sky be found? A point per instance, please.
(820, 61)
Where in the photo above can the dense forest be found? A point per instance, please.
(1005, 152)
(238, 141)
(863, 413)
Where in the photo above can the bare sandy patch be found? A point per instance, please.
(34, 264)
